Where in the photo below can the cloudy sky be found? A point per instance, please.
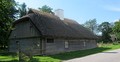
(82, 10)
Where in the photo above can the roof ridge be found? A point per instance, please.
(42, 13)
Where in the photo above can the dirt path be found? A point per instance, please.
(109, 56)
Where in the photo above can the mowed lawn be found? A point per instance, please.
(10, 57)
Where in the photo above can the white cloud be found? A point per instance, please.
(116, 20)
(115, 9)
(112, 8)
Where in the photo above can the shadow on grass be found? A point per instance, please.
(32, 60)
(10, 57)
(10, 61)
(76, 54)
(7, 54)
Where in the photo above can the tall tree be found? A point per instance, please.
(116, 29)
(91, 25)
(106, 29)
(7, 11)
(22, 9)
(46, 8)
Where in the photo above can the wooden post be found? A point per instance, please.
(19, 51)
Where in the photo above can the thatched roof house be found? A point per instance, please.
(49, 34)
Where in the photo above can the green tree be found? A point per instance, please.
(47, 9)
(7, 11)
(91, 25)
(106, 29)
(22, 9)
(116, 29)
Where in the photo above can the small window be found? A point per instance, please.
(84, 43)
(17, 42)
(50, 40)
(66, 44)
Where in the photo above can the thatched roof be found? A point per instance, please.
(50, 25)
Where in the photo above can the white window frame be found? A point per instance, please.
(84, 43)
(66, 44)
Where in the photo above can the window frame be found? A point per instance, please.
(50, 40)
(66, 44)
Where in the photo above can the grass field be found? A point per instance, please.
(8, 57)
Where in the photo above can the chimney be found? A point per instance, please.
(59, 13)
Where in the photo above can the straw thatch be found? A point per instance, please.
(50, 25)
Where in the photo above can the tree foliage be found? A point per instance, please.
(46, 8)
(91, 25)
(7, 15)
(116, 29)
(22, 9)
(106, 29)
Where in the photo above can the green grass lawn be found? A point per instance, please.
(62, 56)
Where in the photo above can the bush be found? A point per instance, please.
(23, 57)
(116, 43)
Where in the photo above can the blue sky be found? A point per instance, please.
(82, 10)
